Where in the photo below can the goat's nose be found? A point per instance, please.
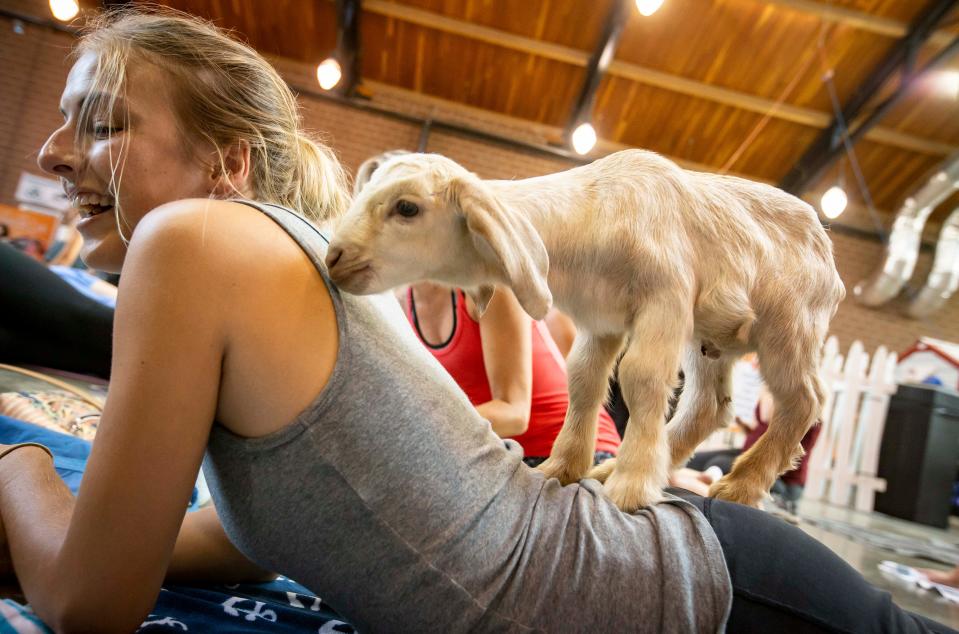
(332, 257)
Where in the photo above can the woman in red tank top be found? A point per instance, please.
(507, 364)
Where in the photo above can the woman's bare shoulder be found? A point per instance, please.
(228, 269)
(231, 255)
(206, 223)
(217, 237)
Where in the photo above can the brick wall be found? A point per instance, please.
(34, 68)
(857, 258)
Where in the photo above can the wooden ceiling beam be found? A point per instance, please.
(831, 142)
(859, 19)
(634, 72)
(472, 31)
(456, 115)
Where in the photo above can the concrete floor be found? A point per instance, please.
(865, 558)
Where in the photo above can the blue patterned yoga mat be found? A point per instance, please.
(281, 606)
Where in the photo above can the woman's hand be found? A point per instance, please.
(945, 577)
(693, 481)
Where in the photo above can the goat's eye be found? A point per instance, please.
(406, 209)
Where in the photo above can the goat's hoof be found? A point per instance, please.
(602, 471)
(562, 470)
(632, 493)
(732, 490)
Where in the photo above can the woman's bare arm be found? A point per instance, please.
(561, 329)
(506, 333)
(97, 563)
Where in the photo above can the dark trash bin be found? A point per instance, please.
(919, 454)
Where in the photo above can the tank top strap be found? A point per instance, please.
(307, 235)
(458, 323)
(310, 238)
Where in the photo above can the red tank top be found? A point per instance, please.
(462, 356)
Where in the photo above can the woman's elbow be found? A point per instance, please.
(521, 420)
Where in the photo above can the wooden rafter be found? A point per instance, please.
(540, 134)
(796, 114)
(859, 19)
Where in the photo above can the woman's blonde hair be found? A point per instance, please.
(225, 93)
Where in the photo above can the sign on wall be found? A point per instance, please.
(37, 191)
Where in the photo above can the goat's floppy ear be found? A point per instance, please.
(364, 173)
(481, 295)
(507, 241)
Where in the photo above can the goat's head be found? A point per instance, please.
(424, 217)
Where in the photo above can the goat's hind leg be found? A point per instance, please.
(790, 370)
(590, 364)
(647, 376)
(705, 405)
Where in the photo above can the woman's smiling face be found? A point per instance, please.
(132, 159)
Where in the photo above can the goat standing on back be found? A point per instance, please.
(664, 266)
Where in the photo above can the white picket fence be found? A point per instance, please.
(842, 465)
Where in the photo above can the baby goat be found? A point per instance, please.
(664, 266)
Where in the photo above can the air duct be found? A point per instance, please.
(906, 238)
(944, 277)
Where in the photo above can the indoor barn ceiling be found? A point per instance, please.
(694, 81)
(726, 85)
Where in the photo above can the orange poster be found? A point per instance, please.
(29, 230)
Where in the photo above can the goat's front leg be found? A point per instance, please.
(590, 364)
(648, 374)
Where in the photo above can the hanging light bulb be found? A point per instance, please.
(64, 10)
(584, 138)
(948, 82)
(833, 202)
(648, 7)
(328, 73)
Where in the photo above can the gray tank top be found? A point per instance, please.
(394, 501)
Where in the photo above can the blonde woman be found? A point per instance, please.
(338, 452)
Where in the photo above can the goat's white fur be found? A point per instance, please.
(661, 265)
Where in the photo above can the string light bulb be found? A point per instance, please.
(833, 202)
(64, 10)
(328, 73)
(648, 7)
(584, 138)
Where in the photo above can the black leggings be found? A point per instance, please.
(786, 581)
(45, 321)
